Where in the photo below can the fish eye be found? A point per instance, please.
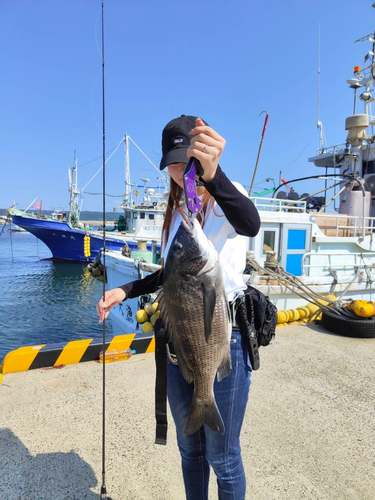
(178, 248)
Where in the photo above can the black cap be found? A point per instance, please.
(176, 140)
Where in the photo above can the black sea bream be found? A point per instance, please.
(195, 312)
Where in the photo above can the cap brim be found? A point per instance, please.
(177, 155)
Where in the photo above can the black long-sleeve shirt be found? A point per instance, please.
(238, 209)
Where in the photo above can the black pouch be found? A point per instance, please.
(256, 317)
(265, 315)
(245, 322)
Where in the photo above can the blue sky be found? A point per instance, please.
(224, 61)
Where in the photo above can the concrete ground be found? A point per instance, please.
(309, 429)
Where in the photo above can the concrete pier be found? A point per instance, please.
(308, 432)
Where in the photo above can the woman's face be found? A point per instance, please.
(176, 171)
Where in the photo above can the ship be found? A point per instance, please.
(68, 238)
(302, 251)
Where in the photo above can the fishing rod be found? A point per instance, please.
(103, 490)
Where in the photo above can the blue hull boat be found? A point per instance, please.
(65, 242)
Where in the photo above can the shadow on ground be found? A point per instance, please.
(57, 476)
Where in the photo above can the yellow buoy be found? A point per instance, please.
(149, 308)
(332, 298)
(312, 307)
(147, 327)
(304, 312)
(363, 308)
(293, 315)
(155, 306)
(154, 317)
(282, 317)
(141, 316)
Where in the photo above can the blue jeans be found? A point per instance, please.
(205, 447)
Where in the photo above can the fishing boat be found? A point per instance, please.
(301, 249)
(70, 239)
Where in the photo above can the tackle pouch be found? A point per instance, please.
(264, 313)
(247, 329)
(256, 317)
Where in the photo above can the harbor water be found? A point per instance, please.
(44, 301)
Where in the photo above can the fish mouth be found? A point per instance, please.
(188, 225)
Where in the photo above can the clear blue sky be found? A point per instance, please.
(224, 61)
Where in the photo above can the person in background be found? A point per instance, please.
(228, 217)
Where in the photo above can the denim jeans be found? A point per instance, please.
(205, 447)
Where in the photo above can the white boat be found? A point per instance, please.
(301, 249)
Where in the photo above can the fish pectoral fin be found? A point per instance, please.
(160, 299)
(185, 372)
(225, 368)
(209, 300)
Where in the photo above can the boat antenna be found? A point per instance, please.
(259, 150)
(103, 491)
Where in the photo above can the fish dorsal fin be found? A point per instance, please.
(209, 300)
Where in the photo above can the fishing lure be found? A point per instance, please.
(193, 168)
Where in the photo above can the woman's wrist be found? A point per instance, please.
(122, 292)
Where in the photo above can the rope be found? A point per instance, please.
(5, 223)
(292, 283)
(103, 165)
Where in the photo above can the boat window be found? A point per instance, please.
(151, 216)
(142, 215)
(269, 241)
(369, 167)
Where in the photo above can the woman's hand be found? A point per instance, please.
(206, 146)
(112, 298)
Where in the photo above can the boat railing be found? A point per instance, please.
(345, 262)
(344, 225)
(331, 149)
(278, 205)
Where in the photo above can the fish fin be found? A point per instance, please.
(185, 372)
(160, 299)
(204, 412)
(225, 368)
(209, 300)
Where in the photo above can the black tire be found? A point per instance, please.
(363, 328)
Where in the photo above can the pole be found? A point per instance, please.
(260, 149)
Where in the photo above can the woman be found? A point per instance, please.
(228, 218)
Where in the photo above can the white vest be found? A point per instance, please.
(230, 246)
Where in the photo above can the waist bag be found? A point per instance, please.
(256, 317)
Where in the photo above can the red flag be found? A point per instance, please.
(38, 205)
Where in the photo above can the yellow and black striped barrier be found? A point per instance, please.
(77, 351)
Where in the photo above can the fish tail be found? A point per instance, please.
(204, 412)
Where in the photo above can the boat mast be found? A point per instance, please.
(74, 209)
(71, 174)
(127, 172)
(319, 124)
